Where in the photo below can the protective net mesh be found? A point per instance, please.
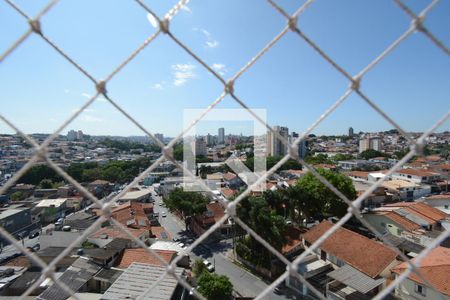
(163, 32)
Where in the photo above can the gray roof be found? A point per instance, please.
(138, 281)
(403, 243)
(355, 279)
(110, 250)
(59, 239)
(108, 275)
(24, 281)
(53, 251)
(74, 278)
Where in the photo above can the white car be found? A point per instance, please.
(163, 214)
(209, 265)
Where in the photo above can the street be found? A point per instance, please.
(244, 282)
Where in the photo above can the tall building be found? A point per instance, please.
(80, 135)
(350, 132)
(364, 144)
(376, 144)
(373, 143)
(72, 135)
(160, 137)
(302, 146)
(221, 136)
(199, 147)
(209, 139)
(275, 147)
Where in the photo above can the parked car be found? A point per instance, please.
(36, 247)
(209, 265)
(33, 235)
(163, 214)
(176, 239)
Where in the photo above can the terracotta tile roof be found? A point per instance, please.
(365, 255)
(130, 211)
(433, 158)
(421, 209)
(407, 224)
(293, 237)
(229, 176)
(228, 193)
(435, 268)
(161, 233)
(217, 210)
(140, 255)
(415, 172)
(358, 174)
(298, 172)
(443, 167)
(442, 196)
(113, 233)
(428, 211)
(325, 166)
(99, 182)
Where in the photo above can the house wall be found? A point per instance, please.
(410, 178)
(380, 222)
(406, 290)
(16, 223)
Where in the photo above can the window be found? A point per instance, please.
(446, 206)
(420, 289)
(323, 255)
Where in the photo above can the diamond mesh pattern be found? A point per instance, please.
(417, 25)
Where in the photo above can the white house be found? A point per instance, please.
(415, 175)
(435, 269)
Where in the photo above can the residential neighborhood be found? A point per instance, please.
(154, 223)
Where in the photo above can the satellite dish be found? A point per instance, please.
(152, 20)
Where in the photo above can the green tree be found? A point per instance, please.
(215, 287)
(370, 153)
(17, 196)
(186, 203)
(46, 184)
(38, 173)
(198, 267)
(341, 157)
(320, 198)
(318, 159)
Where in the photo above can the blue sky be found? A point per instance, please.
(39, 89)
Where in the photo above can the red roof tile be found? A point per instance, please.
(113, 232)
(407, 224)
(415, 172)
(140, 255)
(435, 268)
(365, 255)
(217, 209)
(293, 237)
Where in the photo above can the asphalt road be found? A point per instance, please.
(244, 282)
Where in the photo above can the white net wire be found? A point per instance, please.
(163, 31)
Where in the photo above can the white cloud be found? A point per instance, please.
(186, 9)
(157, 86)
(219, 68)
(90, 118)
(210, 42)
(86, 95)
(182, 72)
